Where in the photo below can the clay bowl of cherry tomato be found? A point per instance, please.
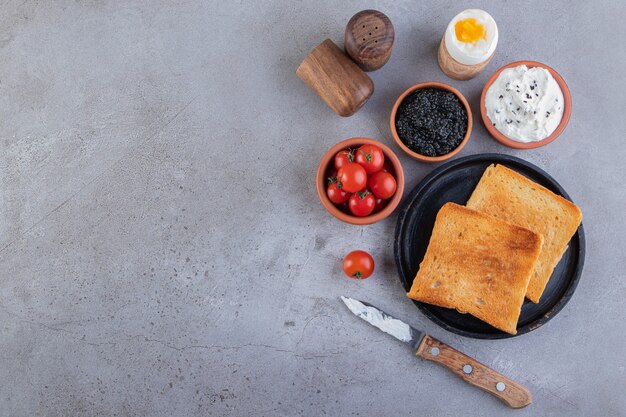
(356, 193)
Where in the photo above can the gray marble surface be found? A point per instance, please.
(162, 248)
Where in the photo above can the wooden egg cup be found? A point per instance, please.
(335, 78)
(453, 68)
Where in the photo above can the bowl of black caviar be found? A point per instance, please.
(431, 122)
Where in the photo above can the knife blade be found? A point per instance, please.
(383, 321)
(427, 347)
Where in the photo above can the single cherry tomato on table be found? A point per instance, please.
(370, 157)
(335, 193)
(358, 264)
(382, 184)
(362, 203)
(343, 158)
(352, 177)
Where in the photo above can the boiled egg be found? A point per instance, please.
(471, 37)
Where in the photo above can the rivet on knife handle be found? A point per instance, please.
(474, 372)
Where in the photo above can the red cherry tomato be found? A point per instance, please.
(352, 177)
(382, 184)
(370, 157)
(336, 194)
(380, 204)
(362, 203)
(343, 158)
(358, 264)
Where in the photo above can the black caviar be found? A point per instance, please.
(431, 121)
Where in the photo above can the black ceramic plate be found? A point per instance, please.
(455, 181)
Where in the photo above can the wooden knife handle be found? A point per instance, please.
(511, 393)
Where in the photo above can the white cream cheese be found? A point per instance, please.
(477, 52)
(526, 105)
(389, 325)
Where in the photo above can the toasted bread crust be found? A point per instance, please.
(510, 196)
(477, 264)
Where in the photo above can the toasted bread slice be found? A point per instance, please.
(477, 264)
(507, 195)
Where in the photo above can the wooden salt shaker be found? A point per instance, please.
(369, 39)
(335, 79)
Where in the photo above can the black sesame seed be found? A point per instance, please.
(532, 87)
(517, 91)
(528, 96)
(501, 96)
(537, 94)
(431, 121)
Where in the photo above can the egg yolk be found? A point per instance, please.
(469, 30)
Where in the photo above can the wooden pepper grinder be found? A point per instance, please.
(369, 39)
(335, 79)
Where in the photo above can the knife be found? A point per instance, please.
(427, 347)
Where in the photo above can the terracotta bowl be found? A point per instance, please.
(415, 155)
(327, 163)
(567, 111)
